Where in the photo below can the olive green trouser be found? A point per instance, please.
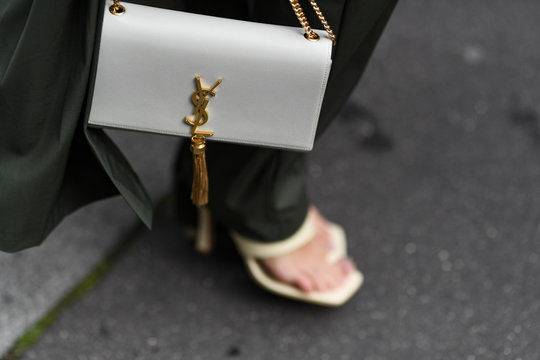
(258, 192)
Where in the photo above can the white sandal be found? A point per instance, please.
(252, 251)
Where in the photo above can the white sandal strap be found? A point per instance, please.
(261, 250)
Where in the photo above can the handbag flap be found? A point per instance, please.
(273, 78)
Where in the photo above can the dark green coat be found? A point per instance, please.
(50, 162)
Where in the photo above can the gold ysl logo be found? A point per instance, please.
(201, 98)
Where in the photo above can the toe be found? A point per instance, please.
(347, 266)
(338, 274)
(332, 282)
(328, 279)
(318, 279)
(304, 283)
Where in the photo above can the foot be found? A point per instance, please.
(307, 268)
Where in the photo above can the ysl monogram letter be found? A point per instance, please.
(201, 98)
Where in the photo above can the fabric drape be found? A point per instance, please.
(51, 163)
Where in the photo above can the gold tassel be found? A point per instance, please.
(199, 188)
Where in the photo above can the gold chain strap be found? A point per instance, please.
(119, 9)
(309, 33)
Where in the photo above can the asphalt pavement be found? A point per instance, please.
(432, 168)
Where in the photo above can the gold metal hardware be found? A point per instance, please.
(309, 33)
(199, 186)
(201, 98)
(323, 21)
(312, 37)
(117, 8)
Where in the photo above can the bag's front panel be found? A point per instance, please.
(271, 92)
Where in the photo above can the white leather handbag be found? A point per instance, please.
(177, 73)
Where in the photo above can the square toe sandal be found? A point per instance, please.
(252, 251)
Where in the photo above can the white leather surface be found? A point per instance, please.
(273, 78)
